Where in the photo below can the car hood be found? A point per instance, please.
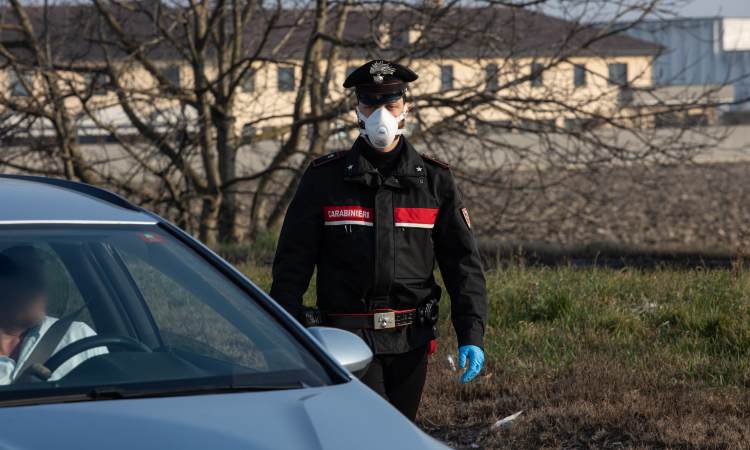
(335, 417)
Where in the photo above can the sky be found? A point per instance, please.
(597, 11)
(698, 8)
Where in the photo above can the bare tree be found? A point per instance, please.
(38, 94)
(531, 100)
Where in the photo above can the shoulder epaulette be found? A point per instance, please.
(327, 158)
(433, 160)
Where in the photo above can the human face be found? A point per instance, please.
(24, 304)
(395, 107)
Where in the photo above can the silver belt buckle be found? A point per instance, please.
(384, 320)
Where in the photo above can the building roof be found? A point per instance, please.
(78, 33)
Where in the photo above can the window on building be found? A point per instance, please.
(537, 74)
(490, 77)
(625, 96)
(19, 83)
(534, 125)
(285, 79)
(581, 124)
(172, 74)
(696, 120)
(248, 81)
(667, 120)
(618, 74)
(579, 75)
(664, 72)
(493, 126)
(399, 37)
(96, 82)
(446, 78)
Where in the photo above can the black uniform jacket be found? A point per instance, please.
(375, 241)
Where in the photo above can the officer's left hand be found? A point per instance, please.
(476, 361)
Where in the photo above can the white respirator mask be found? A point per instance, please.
(381, 128)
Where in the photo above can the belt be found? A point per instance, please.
(381, 319)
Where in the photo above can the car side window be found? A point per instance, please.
(185, 322)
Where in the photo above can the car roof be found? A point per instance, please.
(28, 199)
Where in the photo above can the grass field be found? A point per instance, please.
(600, 358)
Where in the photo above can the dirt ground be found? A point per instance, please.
(691, 206)
(592, 405)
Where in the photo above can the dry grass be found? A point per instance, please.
(596, 403)
(604, 359)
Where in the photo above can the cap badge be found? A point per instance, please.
(380, 68)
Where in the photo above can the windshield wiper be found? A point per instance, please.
(121, 393)
(116, 393)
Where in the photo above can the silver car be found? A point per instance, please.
(176, 348)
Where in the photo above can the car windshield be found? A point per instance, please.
(132, 308)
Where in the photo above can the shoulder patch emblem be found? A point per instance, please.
(433, 160)
(327, 158)
(467, 219)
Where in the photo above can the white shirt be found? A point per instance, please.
(77, 331)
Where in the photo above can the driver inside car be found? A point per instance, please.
(23, 315)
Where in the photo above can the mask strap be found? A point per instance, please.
(361, 119)
(401, 117)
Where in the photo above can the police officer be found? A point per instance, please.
(373, 220)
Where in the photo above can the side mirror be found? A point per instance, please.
(347, 348)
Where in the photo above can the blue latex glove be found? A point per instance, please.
(476, 361)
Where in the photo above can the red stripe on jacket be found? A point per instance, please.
(415, 217)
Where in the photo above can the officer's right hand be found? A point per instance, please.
(476, 361)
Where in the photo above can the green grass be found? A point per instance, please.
(686, 325)
(692, 325)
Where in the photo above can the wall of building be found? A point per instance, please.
(261, 103)
(701, 51)
(469, 78)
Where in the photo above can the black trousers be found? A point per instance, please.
(399, 379)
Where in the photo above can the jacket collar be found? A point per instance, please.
(357, 168)
(410, 170)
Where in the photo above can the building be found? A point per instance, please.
(700, 52)
(510, 56)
